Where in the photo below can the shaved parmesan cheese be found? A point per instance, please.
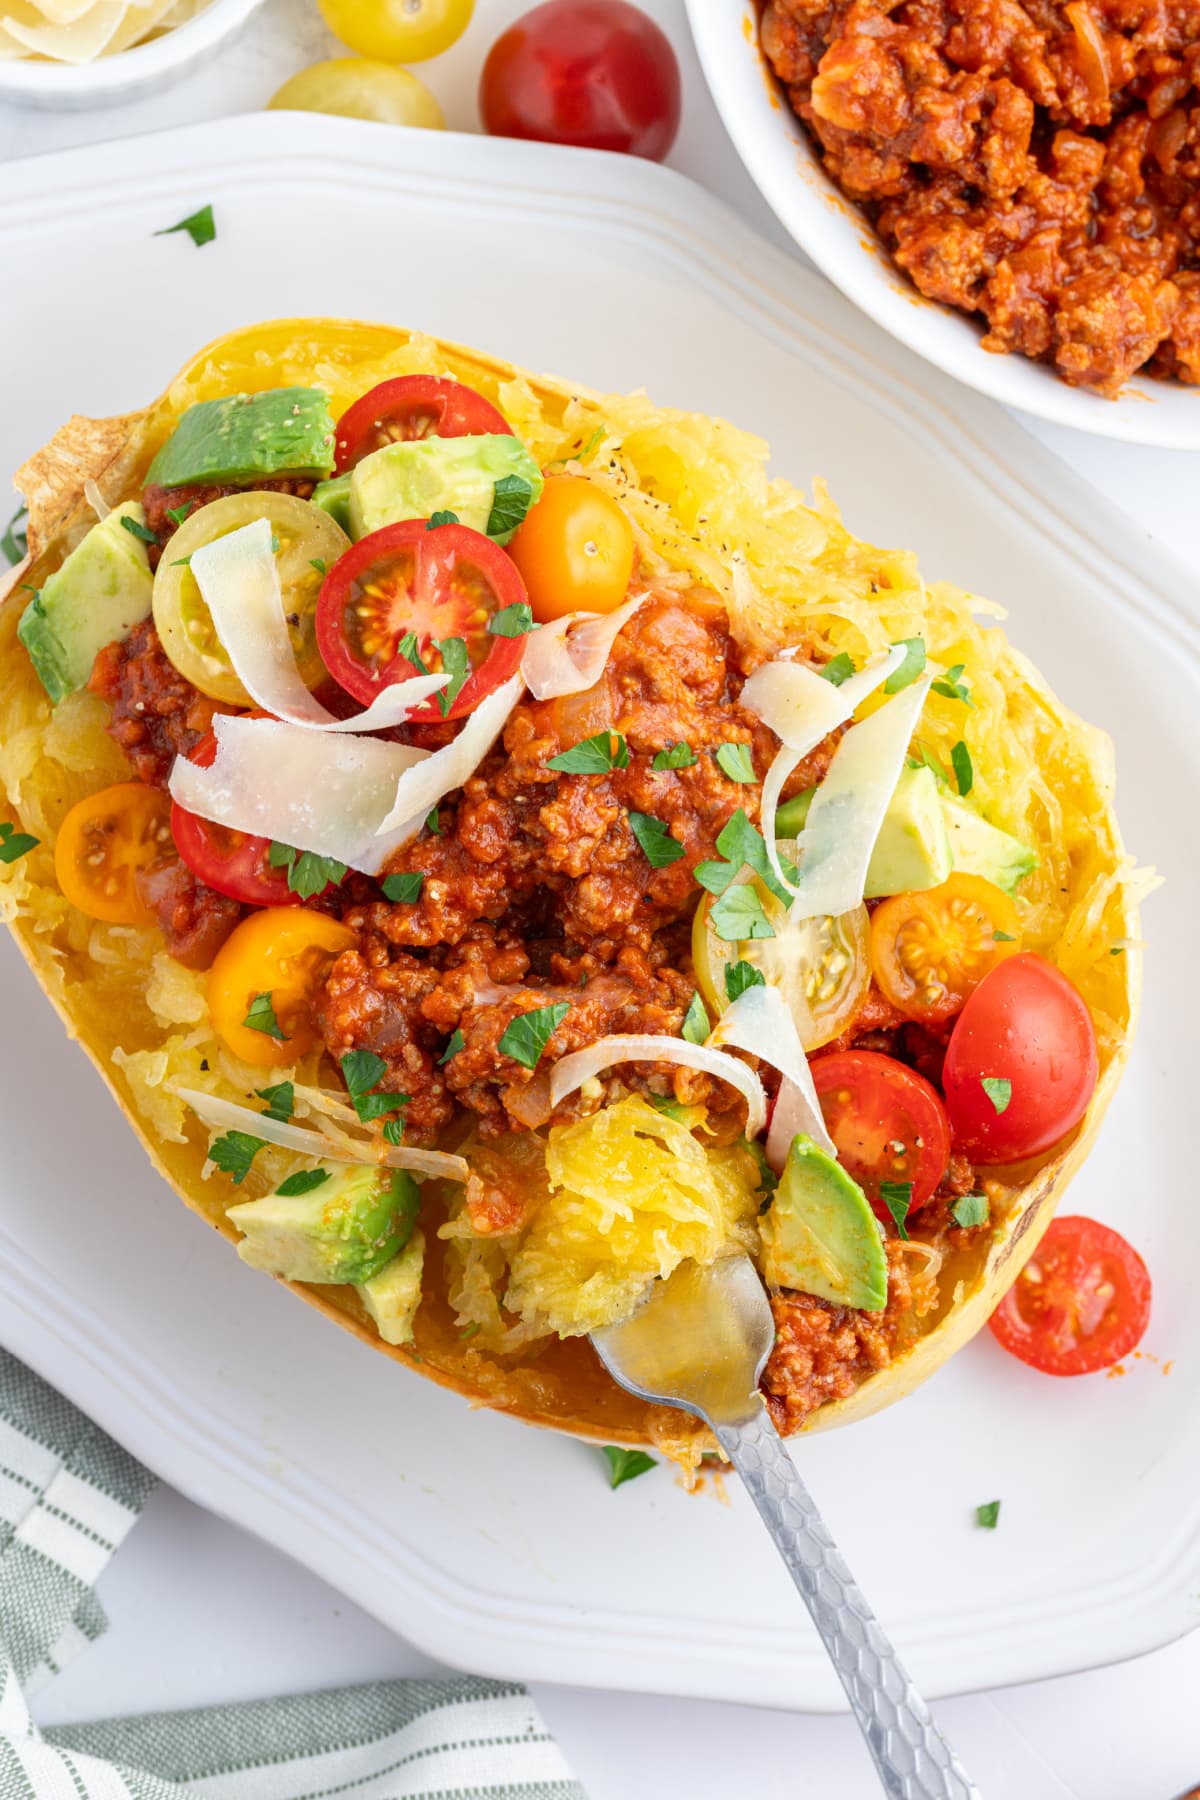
(239, 578)
(847, 809)
(760, 1023)
(569, 654)
(572, 1071)
(331, 795)
(421, 787)
(227, 1115)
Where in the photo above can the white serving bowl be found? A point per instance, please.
(69, 87)
(776, 151)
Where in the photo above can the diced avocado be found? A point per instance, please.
(819, 1234)
(246, 437)
(393, 1295)
(333, 497)
(982, 849)
(912, 851)
(414, 478)
(344, 1230)
(103, 589)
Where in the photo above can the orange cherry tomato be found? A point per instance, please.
(283, 953)
(102, 844)
(575, 550)
(930, 951)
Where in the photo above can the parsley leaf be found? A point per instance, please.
(362, 1070)
(1003, 937)
(138, 530)
(200, 227)
(742, 975)
(988, 1514)
(433, 821)
(670, 1109)
(695, 1027)
(177, 514)
(922, 759)
(912, 666)
(404, 889)
(971, 1209)
(768, 1180)
(839, 668)
(308, 873)
(457, 1042)
(235, 1152)
(14, 843)
(735, 762)
(261, 1017)
(952, 687)
(15, 541)
(409, 649)
(280, 1099)
(511, 498)
(964, 770)
(512, 621)
(526, 1036)
(626, 1465)
(317, 563)
(302, 1182)
(456, 662)
(393, 1131)
(742, 844)
(441, 518)
(182, 562)
(998, 1089)
(738, 914)
(594, 756)
(897, 1197)
(675, 756)
(658, 846)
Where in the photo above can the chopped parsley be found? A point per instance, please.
(14, 843)
(972, 1209)
(457, 1042)
(768, 1180)
(742, 975)
(177, 514)
(362, 1071)
(512, 621)
(526, 1036)
(409, 649)
(735, 762)
(738, 914)
(280, 1099)
(468, 1331)
(988, 1515)
(952, 687)
(302, 1182)
(1003, 937)
(446, 517)
(658, 846)
(839, 668)
(15, 541)
(317, 563)
(235, 1152)
(922, 759)
(200, 227)
(964, 769)
(742, 844)
(626, 1465)
(261, 1017)
(675, 756)
(138, 530)
(307, 873)
(670, 1109)
(433, 821)
(695, 1027)
(897, 1197)
(594, 756)
(912, 666)
(998, 1089)
(511, 499)
(404, 889)
(456, 662)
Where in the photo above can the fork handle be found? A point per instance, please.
(913, 1759)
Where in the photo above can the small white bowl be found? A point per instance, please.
(69, 87)
(777, 153)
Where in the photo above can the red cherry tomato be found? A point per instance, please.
(887, 1122)
(435, 585)
(1027, 1033)
(596, 73)
(231, 862)
(412, 406)
(1081, 1302)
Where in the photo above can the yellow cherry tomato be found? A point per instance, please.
(360, 89)
(575, 550)
(104, 841)
(283, 952)
(931, 950)
(403, 31)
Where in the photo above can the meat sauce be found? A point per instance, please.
(1035, 163)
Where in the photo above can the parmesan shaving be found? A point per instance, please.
(572, 1071)
(568, 655)
(760, 1023)
(422, 786)
(227, 1115)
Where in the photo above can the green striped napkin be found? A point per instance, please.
(68, 1496)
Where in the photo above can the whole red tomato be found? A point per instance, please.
(594, 73)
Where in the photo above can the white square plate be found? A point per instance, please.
(488, 1544)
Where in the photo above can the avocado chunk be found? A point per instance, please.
(248, 437)
(103, 589)
(912, 851)
(392, 1296)
(345, 1229)
(333, 497)
(819, 1234)
(982, 849)
(415, 478)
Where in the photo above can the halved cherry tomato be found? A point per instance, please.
(284, 952)
(1027, 1032)
(1081, 1302)
(441, 584)
(931, 950)
(103, 842)
(412, 406)
(575, 549)
(887, 1122)
(231, 862)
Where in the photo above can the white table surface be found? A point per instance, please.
(202, 1612)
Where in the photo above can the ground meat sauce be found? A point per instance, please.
(157, 714)
(1034, 163)
(159, 503)
(822, 1352)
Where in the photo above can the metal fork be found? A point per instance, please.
(699, 1342)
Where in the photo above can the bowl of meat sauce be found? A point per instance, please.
(1012, 190)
